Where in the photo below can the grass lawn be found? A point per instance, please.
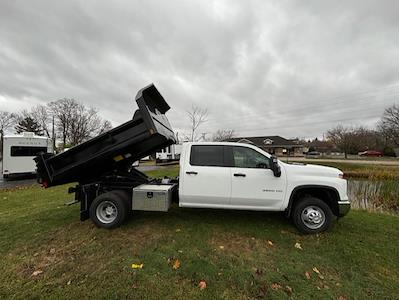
(48, 253)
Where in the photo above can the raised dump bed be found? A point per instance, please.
(114, 151)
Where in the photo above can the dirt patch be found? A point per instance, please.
(240, 245)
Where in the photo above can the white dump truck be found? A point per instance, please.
(212, 175)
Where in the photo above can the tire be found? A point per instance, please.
(109, 210)
(312, 215)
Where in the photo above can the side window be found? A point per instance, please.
(27, 151)
(248, 158)
(206, 155)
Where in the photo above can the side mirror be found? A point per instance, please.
(274, 166)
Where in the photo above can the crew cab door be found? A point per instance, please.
(204, 179)
(254, 185)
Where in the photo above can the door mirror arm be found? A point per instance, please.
(274, 166)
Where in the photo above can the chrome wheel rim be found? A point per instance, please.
(313, 217)
(106, 212)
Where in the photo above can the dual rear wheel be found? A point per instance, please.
(109, 210)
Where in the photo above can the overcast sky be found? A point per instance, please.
(290, 68)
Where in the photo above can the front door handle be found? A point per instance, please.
(191, 173)
(239, 175)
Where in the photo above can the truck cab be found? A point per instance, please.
(243, 176)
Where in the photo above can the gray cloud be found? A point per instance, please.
(292, 68)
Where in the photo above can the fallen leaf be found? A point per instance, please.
(259, 272)
(307, 274)
(178, 230)
(202, 284)
(137, 266)
(52, 250)
(342, 298)
(176, 264)
(270, 243)
(180, 251)
(276, 286)
(69, 282)
(316, 270)
(37, 272)
(221, 247)
(288, 289)
(298, 246)
(321, 277)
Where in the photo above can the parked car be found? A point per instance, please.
(313, 153)
(216, 175)
(371, 153)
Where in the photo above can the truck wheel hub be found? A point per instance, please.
(313, 217)
(106, 212)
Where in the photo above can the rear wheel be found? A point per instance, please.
(312, 215)
(109, 210)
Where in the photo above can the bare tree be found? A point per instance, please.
(341, 137)
(85, 124)
(389, 124)
(75, 122)
(197, 117)
(40, 113)
(223, 135)
(7, 120)
(105, 126)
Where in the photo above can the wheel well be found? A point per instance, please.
(327, 194)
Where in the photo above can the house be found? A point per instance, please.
(275, 144)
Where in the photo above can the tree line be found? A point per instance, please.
(67, 120)
(384, 137)
(346, 139)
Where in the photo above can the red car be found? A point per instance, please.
(371, 153)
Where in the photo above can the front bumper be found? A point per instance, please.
(343, 207)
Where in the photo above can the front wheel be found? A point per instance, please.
(312, 215)
(108, 210)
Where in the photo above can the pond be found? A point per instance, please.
(375, 195)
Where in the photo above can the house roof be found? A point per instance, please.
(267, 141)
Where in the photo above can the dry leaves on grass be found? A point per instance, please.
(317, 272)
(37, 272)
(176, 264)
(307, 274)
(270, 243)
(298, 246)
(137, 266)
(276, 286)
(288, 289)
(202, 284)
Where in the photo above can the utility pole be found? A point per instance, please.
(53, 135)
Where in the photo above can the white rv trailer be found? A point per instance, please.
(171, 152)
(19, 151)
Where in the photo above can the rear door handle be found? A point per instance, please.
(239, 175)
(191, 173)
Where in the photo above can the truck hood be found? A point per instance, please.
(312, 170)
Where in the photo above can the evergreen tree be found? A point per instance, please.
(30, 125)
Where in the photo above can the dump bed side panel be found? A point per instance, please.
(149, 131)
